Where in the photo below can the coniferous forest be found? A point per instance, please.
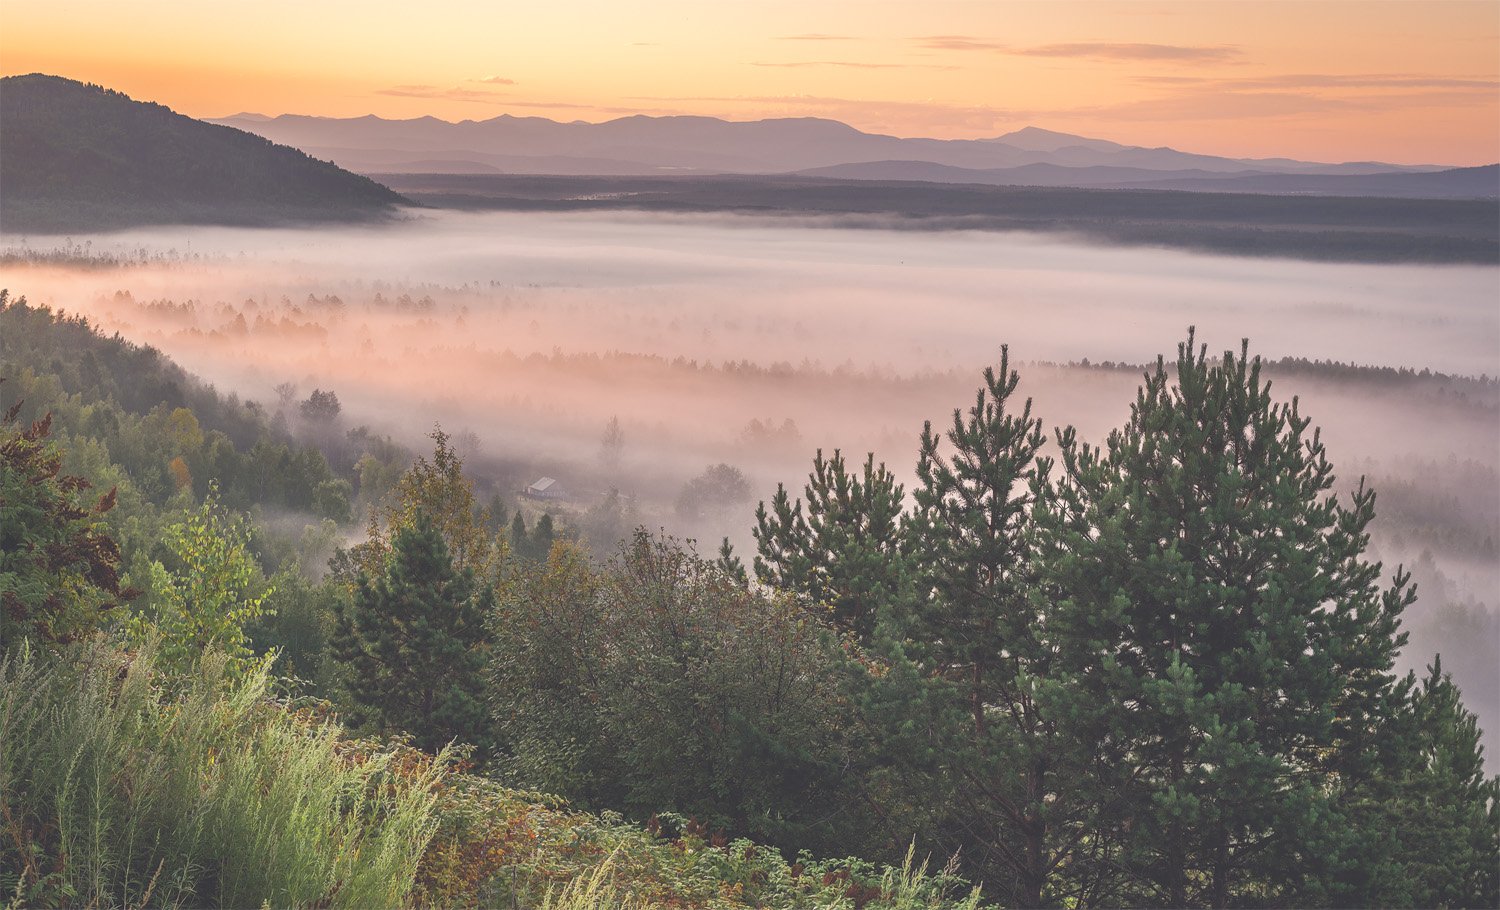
(252, 657)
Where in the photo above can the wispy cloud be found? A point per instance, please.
(850, 64)
(1157, 79)
(1364, 80)
(908, 118)
(1296, 95)
(495, 80)
(435, 92)
(1095, 50)
(1312, 81)
(815, 36)
(958, 43)
(1105, 50)
(602, 109)
(1217, 105)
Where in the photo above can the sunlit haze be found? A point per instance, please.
(1405, 82)
(878, 454)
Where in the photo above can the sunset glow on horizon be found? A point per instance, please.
(1402, 82)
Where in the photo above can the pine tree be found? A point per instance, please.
(1451, 805)
(979, 643)
(730, 563)
(413, 644)
(1230, 648)
(542, 537)
(1428, 825)
(520, 539)
(845, 552)
(439, 490)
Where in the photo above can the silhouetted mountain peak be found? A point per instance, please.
(79, 156)
(1037, 139)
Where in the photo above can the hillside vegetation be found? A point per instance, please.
(1155, 673)
(76, 156)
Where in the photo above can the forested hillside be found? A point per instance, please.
(81, 157)
(249, 656)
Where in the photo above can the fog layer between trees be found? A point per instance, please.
(752, 343)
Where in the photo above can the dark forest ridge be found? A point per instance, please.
(1455, 183)
(644, 145)
(79, 157)
(1302, 227)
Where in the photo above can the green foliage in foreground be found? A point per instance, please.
(506, 848)
(59, 567)
(1160, 677)
(116, 794)
(412, 640)
(659, 682)
(204, 600)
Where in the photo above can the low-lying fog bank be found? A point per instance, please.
(752, 343)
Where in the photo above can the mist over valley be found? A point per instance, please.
(938, 456)
(753, 342)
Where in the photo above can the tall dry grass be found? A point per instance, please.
(116, 792)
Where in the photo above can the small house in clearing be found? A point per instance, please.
(546, 488)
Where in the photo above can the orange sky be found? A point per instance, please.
(1395, 81)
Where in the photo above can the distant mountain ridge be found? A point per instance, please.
(640, 145)
(76, 157)
(1036, 139)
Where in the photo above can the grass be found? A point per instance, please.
(120, 787)
(117, 793)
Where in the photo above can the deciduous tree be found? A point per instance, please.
(204, 594)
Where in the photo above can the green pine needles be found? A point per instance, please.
(412, 642)
(1225, 642)
(1157, 671)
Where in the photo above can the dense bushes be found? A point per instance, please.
(59, 568)
(505, 848)
(659, 682)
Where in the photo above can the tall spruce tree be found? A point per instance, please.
(413, 643)
(1226, 638)
(440, 491)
